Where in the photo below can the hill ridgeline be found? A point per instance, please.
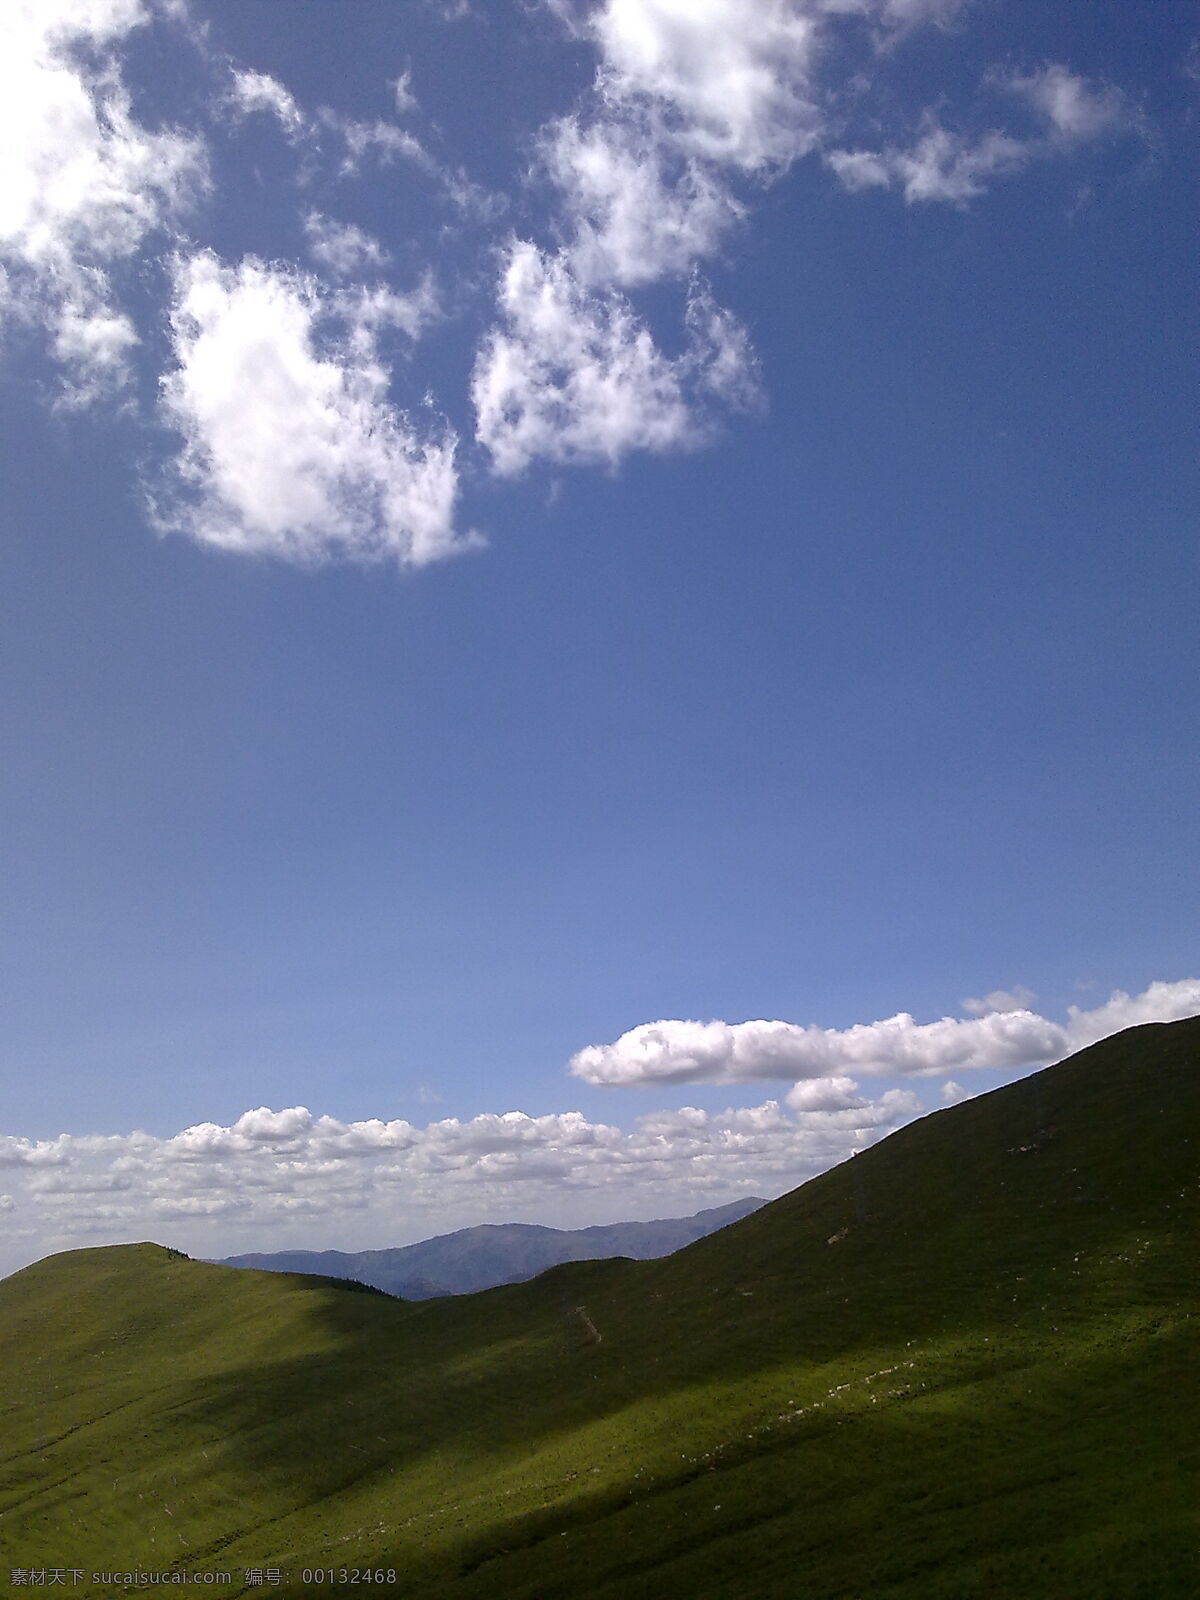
(495, 1253)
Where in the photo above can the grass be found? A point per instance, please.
(984, 1387)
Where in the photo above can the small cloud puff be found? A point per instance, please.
(340, 246)
(251, 93)
(1015, 999)
(402, 90)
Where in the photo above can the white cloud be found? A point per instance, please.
(731, 77)
(636, 212)
(83, 183)
(273, 1125)
(1161, 1002)
(291, 446)
(1075, 109)
(722, 1052)
(340, 246)
(238, 1185)
(957, 167)
(367, 308)
(688, 93)
(92, 343)
(901, 15)
(690, 97)
(574, 375)
(77, 1183)
(825, 1094)
(252, 92)
(16, 1152)
(382, 139)
(941, 165)
(402, 89)
(1016, 999)
(272, 1178)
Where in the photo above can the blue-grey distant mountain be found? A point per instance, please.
(492, 1254)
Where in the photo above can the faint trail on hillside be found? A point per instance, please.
(589, 1325)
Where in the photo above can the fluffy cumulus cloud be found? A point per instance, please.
(730, 78)
(575, 375)
(723, 1052)
(218, 1188)
(635, 210)
(84, 184)
(291, 445)
(694, 104)
(685, 94)
(1161, 1002)
(693, 108)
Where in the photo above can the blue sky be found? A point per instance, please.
(574, 559)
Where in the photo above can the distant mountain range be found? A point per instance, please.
(492, 1254)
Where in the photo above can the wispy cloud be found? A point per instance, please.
(1076, 109)
(250, 93)
(402, 91)
(574, 375)
(955, 166)
(743, 1052)
(341, 247)
(258, 92)
(941, 165)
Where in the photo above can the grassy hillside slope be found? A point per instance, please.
(962, 1364)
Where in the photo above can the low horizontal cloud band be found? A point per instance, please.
(743, 1052)
(215, 1188)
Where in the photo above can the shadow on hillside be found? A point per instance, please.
(995, 1467)
(975, 1219)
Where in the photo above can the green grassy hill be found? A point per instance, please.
(963, 1364)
